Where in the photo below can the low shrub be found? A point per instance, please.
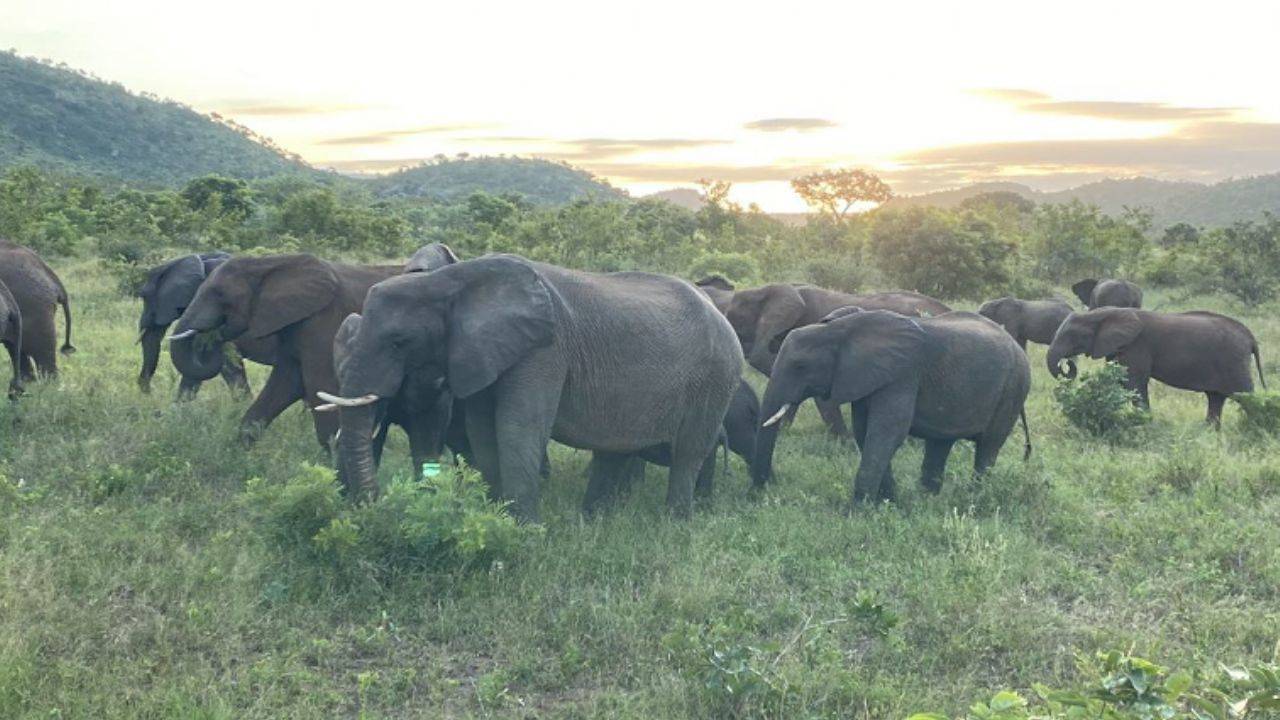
(1098, 402)
(1261, 411)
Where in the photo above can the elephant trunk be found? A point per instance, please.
(150, 340)
(773, 410)
(197, 357)
(1055, 359)
(356, 466)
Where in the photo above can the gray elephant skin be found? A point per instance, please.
(1027, 320)
(11, 336)
(763, 316)
(620, 364)
(718, 290)
(957, 376)
(279, 310)
(1108, 293)
(38, 292)
(1199, 351)
(167, 291)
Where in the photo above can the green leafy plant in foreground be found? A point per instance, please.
(1098, 402)
(1261, 411)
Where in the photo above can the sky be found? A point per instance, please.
(655, 95)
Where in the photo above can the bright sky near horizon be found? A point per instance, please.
(658, 94)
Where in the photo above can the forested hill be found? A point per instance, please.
(1213, 205)
(58, 118)
(540, 181)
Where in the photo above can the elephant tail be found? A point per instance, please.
(1257, 360)
(1026, 435)
(65, 302)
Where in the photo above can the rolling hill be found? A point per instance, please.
(540, 181)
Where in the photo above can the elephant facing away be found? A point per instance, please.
(1108, 293)
(279, 310)
(1199, 351)
(1027, 320)
(11, 336)
(957, 376)
(763, 316)
(38, 292)
(620, 364)
(166, 293)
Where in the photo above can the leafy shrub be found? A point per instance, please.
(1261, 411)
(940, 253)
(738, 268)
(1099, 403)
(441, 523)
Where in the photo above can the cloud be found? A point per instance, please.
(247, 107)
(593, 149)
(386, 136)
(677, 174)
(1010, 95)
(1033, 101)
(786, 124)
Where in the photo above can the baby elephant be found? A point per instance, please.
(956, 376)
(1201, 351)
(1027, 320)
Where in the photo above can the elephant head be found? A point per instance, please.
(457, 328)
(431, 257)
(166, 293)
(1098, 333)
(249, 296)
(761, 317)
(719, 290)
(1084, 291)
(1005, 312)
(848, 356)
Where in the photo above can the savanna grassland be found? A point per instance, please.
(135, 582)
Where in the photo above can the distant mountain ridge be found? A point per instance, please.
(1170, 202)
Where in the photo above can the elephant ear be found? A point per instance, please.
(431, 257)
(840, 312)
(502, 311)
(1084, 290)
(877, 348)
(1115, 332)
(175, 288)
(295, 288)
(781, 313)
(342, 340)
(715, 281)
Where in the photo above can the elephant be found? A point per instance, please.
(279, 310)
(956, 376)
(166, 292)
(620, 364)
(763, 316)
(1199, 351)
(1108, 293)
(1027, 320)
(431, 256)
(38, 292)
(718, 290)
(11, 336)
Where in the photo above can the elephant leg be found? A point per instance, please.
(317, 374)
(1216, 400)
(831, 415)
(986, 449)
(1138, 380)
(283, 388)
(28, 367)
(935, 462)
(482, 440)
(858, 411)
(187, 389)
(705, 482)
(608, 477)
(234, 375)
(44, 346)
(889, 412)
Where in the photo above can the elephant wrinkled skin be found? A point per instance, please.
(1027, 320)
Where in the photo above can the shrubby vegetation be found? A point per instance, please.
(1098, 403)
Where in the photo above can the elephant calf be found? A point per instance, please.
(1027, 320)
(957, 376)
(1201, 351)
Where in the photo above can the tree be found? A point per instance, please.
(940, 253)
(836, 192)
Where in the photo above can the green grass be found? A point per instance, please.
(133, 583)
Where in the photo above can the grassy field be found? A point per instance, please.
(133, 583)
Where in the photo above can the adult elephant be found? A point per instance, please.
(620, 364)
(1108, 293)
(1200, 351)
(166, 293)
(38, 292)
(957, 376)
(430, 257)
(11, 336)
(281, 310)
(763, 316)
(1027, 320)
(718, 290)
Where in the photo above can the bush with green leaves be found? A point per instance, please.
(436, 524)
(940, 253)
(738, 268)
(1261, 411)
(1098, 402)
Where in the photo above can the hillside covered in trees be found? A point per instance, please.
(541, 182)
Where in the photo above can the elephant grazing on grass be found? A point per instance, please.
(38, 292)
(957, 376)
(1200, 351)
(279, 310)
(620, 364)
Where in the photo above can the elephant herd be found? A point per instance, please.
(494, 357)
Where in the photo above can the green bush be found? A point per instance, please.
(738, 268)
(437, 524)
(940, 253)
(1099, 403)
(1261, 411)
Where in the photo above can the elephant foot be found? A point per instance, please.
(249, 435)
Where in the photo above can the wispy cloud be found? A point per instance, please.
(685, 174)
(1033, 101)
(789, 124)
(250, 107)
(386, 136)
(1010, 95)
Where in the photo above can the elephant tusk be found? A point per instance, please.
(777, 416)
(327, 407)
(182, 335)
(347, 402)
